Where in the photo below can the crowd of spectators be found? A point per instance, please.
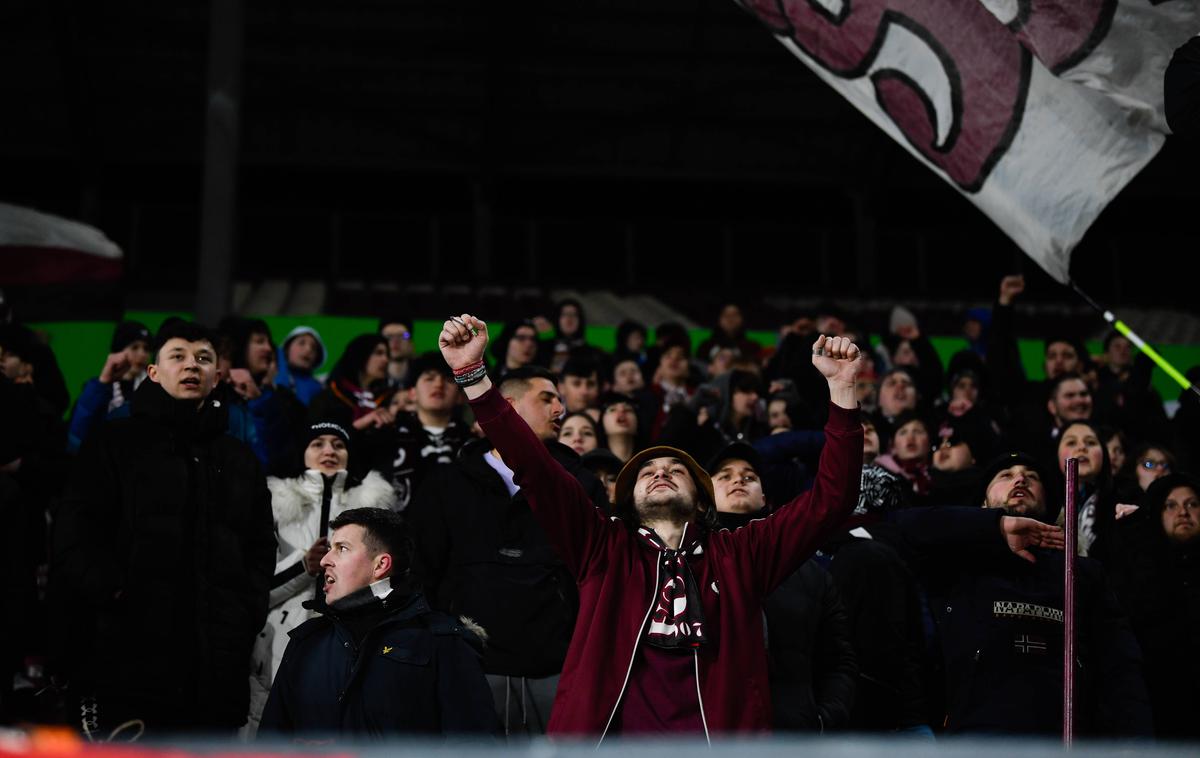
(188, 537)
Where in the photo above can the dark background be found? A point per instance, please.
(664, 146)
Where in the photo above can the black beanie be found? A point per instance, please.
(1014, 458)
(127, 333)
(326, 427)
(1156, 494)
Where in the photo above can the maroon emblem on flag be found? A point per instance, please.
(987, 64)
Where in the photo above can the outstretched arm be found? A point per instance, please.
(573, 524)
(931, 539)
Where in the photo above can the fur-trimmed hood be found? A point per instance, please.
(293, 499)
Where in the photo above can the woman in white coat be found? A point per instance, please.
(303, 507)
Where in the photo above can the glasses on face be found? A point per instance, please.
(405, 336)
(1151, 465)
(523, 338)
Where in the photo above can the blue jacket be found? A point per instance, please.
(410, 670)
(306, 386)
(90, 409)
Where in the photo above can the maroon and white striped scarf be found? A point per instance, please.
(677, 620)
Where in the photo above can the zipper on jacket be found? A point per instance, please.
(327, 483)
(699, 697)
(636, 644)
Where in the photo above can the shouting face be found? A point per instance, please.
(350, 563)
(911, 441)
(897, 393)
(186, 370)
(1018, 490)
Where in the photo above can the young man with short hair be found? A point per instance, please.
(579, 384)
(431, 435)
(164, 540)
(377, 662)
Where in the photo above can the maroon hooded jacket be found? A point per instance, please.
(617, 576)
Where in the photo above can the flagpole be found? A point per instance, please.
(1132, 336)
(1071, 523)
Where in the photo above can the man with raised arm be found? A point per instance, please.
(669, 637)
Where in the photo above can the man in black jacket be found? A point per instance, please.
(377, 662)
(483, 555)
(995, 589)
(812, 664)
(163, 541)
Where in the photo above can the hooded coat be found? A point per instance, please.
(618, 577)
(1158, 583)
(304, 384)
(163, 544)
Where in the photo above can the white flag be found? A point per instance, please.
(1039, 111)
(38, 248)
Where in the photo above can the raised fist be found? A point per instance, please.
(837, 358)
(1010, 287)
(463, 340)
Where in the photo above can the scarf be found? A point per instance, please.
(361, 401)
(677, 620)
(1086, 517)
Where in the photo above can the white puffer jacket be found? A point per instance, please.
(296, 504)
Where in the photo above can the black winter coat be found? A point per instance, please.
(810, 658)
(1000, 620)
(883, 606)
(164, 538)
(392, 667)
(481, 554)
(1158, 583)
